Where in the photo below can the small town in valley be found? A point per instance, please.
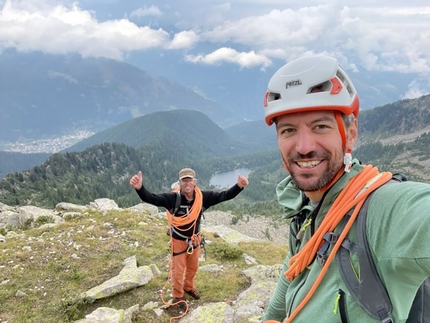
(47, 145)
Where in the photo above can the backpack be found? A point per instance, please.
(370, 292)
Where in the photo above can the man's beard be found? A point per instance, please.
(318, 184)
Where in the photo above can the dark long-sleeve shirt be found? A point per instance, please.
(168, 201)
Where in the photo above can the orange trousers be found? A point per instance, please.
(184, 266)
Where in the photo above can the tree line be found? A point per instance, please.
(103, 171)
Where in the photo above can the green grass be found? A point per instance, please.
(52, 277)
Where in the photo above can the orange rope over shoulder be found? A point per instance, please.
(191, 216)
(353, 195)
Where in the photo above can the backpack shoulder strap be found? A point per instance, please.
(174, 210)
(420, 310)
(177, 203)
(367, 289)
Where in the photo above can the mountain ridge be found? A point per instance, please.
(180, 128)
(44, 95)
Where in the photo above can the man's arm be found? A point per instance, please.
(166, 200)
(276, 310)
(211, 198)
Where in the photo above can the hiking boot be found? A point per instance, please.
(181, 303)
(194, 293)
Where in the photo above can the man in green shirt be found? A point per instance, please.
(314, 106)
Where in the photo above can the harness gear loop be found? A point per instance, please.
(191, 245)
(190, 249)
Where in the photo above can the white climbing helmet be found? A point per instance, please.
(309, 84)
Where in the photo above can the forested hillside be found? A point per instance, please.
(104, 171)
(411, 158)
(395, 119)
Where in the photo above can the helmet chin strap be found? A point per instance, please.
(285, 165)
(331, 183)
(347, 158)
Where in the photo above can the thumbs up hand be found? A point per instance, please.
(242, 181)
(136, 181)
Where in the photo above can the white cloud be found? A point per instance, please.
(184, 39)
(145, 11)
(249, 59)
(61, 29)
(418, 87)
(377, 36)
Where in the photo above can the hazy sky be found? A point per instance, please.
(374, 35)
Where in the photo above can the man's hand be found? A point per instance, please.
(136, 181)
(242, 181)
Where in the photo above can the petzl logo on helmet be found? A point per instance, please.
(293, 83)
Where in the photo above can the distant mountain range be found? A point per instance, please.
(242, 89)
(51, 95)
(396, 121)
(188, 133)
(45, 96)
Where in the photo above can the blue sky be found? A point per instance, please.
(252, 37)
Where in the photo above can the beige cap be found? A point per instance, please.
(187, 172)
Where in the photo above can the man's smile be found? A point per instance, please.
(308, 164)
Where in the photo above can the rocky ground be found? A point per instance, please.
(256, 227)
